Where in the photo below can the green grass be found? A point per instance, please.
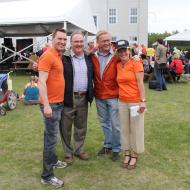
(165, 164)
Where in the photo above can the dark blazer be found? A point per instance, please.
(68, 75)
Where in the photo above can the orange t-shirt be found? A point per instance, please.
(50, 61)
(127, 82)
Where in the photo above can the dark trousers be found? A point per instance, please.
(76, 115)
(50, 140)
(174, 75)
(161, 83)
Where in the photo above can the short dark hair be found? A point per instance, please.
(58, 30)
(160, 41)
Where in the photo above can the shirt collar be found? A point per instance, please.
(74, 55)
(101, 54)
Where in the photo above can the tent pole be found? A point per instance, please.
(86, 39)
(65, 25)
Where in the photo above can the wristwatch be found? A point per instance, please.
(143, 100)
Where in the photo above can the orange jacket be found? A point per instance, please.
(106, 87)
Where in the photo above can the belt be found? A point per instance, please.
(58, 103)
(79, 93)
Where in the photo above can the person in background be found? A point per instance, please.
(186, 63)
(187, 54)
(113, 46)
(44, 49)
(130, 75)
(175, 68)
(91, 47)
(143, 49)
(146, 64)
(51, 87)
(135, 49)
(3, 51)
(176, 51)
(160, 64)
(150, 56)
(30, 94)
(33, 61)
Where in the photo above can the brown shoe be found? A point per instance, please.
(69, 160)
(82, 156)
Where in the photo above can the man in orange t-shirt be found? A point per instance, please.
(51, 87)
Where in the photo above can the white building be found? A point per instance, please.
(124, 19)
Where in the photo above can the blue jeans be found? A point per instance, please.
(109, 120)
(161, 83)
(50, 139)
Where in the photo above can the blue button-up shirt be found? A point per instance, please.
(80, 73)
(103, 60)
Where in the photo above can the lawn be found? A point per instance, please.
(165, 164)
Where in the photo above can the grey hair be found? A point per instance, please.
(100, 33)
(75, 33)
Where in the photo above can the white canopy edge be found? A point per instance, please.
(183, 37)
(38, 17)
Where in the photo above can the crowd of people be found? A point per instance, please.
(165, 63)
(68, 82)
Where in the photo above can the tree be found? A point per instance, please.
(152, 37)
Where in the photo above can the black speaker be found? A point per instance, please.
(152, 84)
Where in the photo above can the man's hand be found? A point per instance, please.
(47, 111)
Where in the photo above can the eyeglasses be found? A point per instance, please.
(105, 41)
(78, 41)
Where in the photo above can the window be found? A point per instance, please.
(95, 20)
(133, 19)
(133, 38)
(112, 16)
(114, 38)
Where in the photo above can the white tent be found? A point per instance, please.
(180, 37)
(41, 17)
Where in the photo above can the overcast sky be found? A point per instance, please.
(168, 15)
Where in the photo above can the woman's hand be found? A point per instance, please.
(142, 107)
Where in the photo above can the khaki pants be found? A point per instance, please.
(77, 116)
(132, 128)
